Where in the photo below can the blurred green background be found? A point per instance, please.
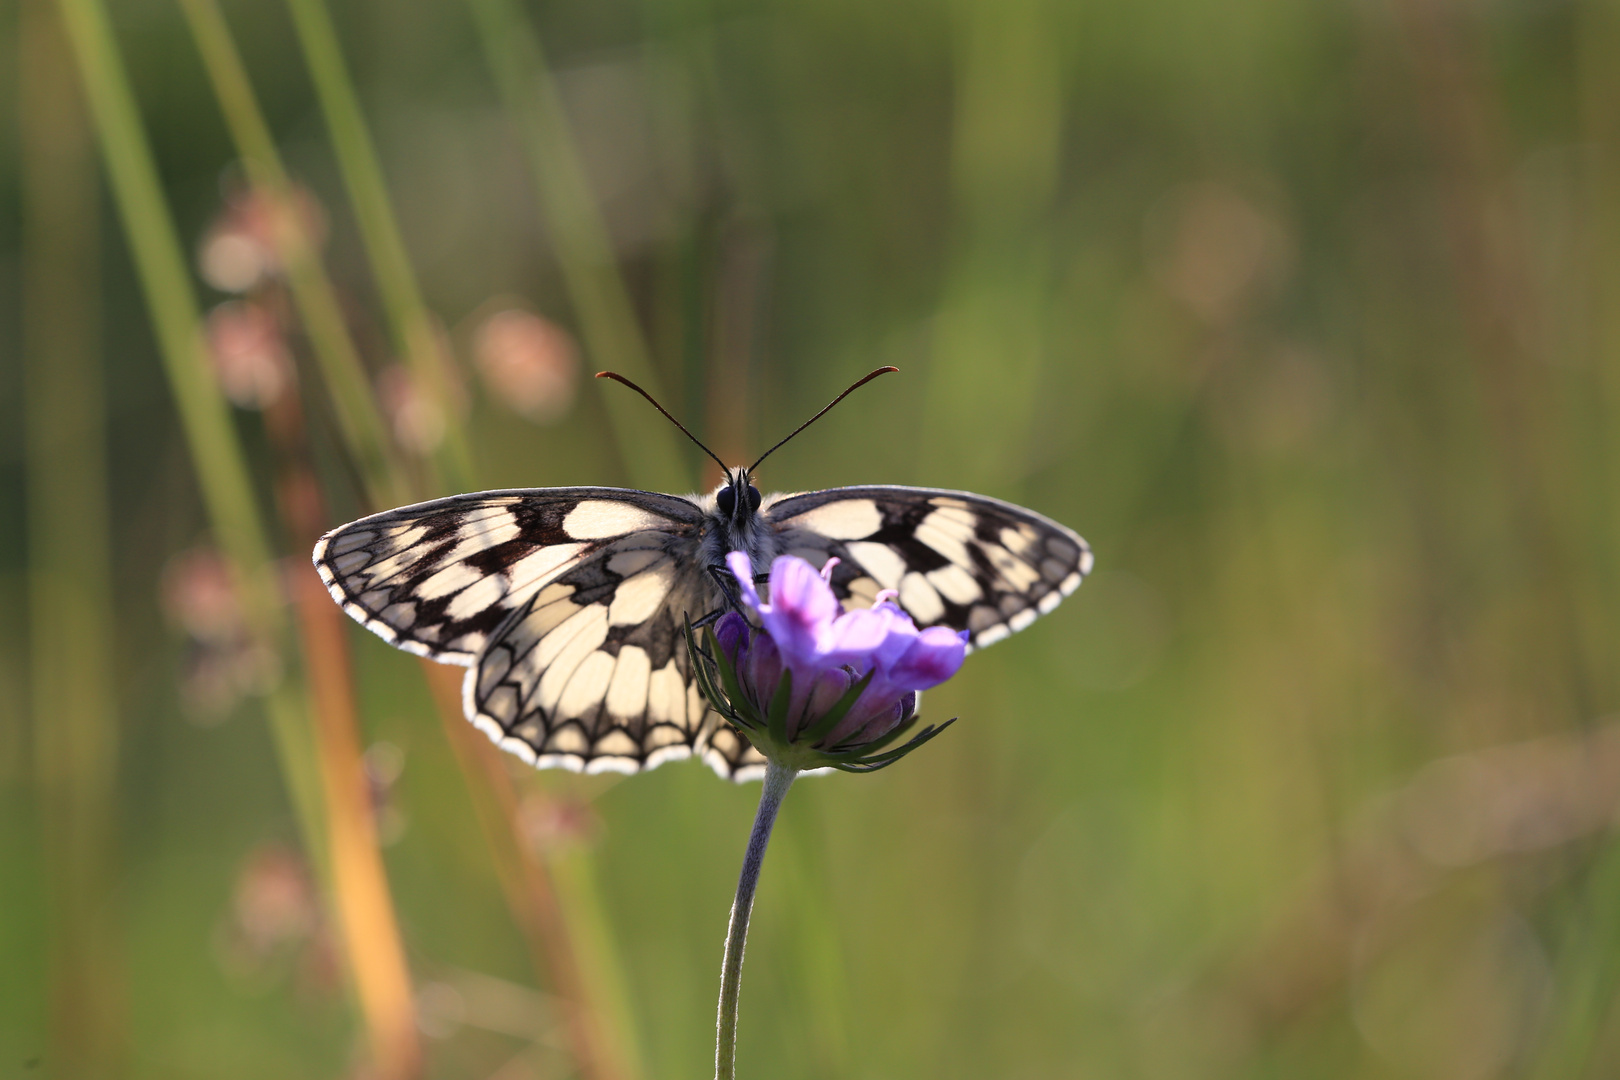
(1304, 314)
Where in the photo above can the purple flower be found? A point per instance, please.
(853, 676)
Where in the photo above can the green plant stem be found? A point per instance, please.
(778, 778)
(359, 421)
(75, 708)
(415, 337)
(653, 457)
(216, 454)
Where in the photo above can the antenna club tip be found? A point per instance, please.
(885, 370)
(604, 374)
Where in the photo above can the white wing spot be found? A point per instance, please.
(568, 739)
(540, 563)
(562, 650)
(1049, 601)
(881, 561)
(638, 598)
(919, 598)
(1022, 619)
(664, 736)
(627, 693)
(1018, 539)
(543, 623)
(451, 579)
(991, 636)
(341, 545)
(486, 592)
(666, 696)
(954, 517)
(485, 534)
(955, 584)
(597, 519)
(945, 536)
(1019, 574)
(588, 686)
(847, 519)
(862, 593)
(634, 561)
(403, 614)
(618, 744)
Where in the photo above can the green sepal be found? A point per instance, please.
(776, 717)
(872, 747)
(728, 674)
(704, 664)
(873, 762)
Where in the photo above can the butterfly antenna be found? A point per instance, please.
(616, 377)
(862, 381)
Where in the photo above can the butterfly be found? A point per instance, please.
(567, 605)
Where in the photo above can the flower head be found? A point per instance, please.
(816, 685)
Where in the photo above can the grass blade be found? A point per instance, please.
(411, 326)
(652, 455)
(76, 730)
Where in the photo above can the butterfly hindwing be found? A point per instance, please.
(956, 559)
(438, 578)
(591, 672)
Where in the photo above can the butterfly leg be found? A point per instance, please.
(711, 617)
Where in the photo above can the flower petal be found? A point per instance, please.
(800, 613)
(933, 657)
(855, 636)
(743, 570)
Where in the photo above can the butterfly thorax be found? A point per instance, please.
(734, 524)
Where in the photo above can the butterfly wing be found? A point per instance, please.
(591, 672)
(438, 578)
(956, 559)
(565, 603)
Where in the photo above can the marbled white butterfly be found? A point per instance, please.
(566, 605)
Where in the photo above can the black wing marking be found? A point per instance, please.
(438, 578)
(957, 559)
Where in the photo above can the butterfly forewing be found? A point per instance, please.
(439, 578)
(955, 559)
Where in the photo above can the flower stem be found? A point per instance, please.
(778, 778)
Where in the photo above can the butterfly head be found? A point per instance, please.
(738, 498)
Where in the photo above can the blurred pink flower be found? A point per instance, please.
(199, 597)
(274, 925)
(239, 250)
(273, 903)
(249, 354)
(528, 364)
(384, 763)
(223, 663)
(418, 422)
(550, 823)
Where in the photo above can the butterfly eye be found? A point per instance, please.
(753, 497)
(727, 498)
